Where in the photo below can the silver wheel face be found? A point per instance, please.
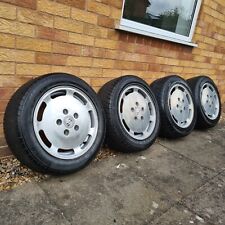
(137, 112)
(181, 105)
(210, 101)
(65, 122)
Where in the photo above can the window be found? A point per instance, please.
(172, 20)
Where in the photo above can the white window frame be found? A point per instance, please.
(139, 28)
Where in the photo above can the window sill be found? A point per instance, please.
(142, 32)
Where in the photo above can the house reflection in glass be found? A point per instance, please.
(174, 16)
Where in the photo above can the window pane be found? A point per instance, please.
(171, 15)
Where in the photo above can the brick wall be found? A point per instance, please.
(78, 36)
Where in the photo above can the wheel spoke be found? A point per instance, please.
(92, 131)
(88, 107)
(135, 89)
(151, 118)
(69, 92)
(121, 116)
(41, 125)
(47, 99)
(131, 132)
(53, 149)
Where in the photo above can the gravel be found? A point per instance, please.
(105, 153)
(13, 174)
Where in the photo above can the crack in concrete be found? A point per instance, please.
(186, 157)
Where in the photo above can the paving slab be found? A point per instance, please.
(179, 215)
(209, 201)
(28, 205)
(204, 147)
(170, 172)
(110, 193)
(217, 134)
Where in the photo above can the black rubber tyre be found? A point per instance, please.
(197, 85)
(21, 129)
(119, 135)
(162, 89)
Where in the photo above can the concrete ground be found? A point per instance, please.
(174, 182)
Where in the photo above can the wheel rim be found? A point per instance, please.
(210, 101)
(181, 105)
(137, 112)
(65, 122)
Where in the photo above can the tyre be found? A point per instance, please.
(207, 100)
(54, 124)
(177, 109)
(132, 114)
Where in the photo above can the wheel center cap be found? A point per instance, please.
(138, 111)
(69, 121)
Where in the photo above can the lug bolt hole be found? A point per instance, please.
(178, 99)
(65, 111)
(142, 117)
(135, 118)
(182, 100)
(142, 108)
(177, 106)
(137, 104)
(181, 111)
(132, 109)
(59, 122)
(75, 115)
(76, 128)
(66, 132)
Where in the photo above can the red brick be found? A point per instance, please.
(3, 104)
(131, 38)
(126, 65)
(155, 67)
(98, 8)
(65, 48)
(50, 59)
(126, 46)
(140, 39)
(52, 34)
(143, 49)
(123, 36)
(93, 52)
(32, 4)
(74, 3)
(6, 93)
(114, 3)
(105, 21)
